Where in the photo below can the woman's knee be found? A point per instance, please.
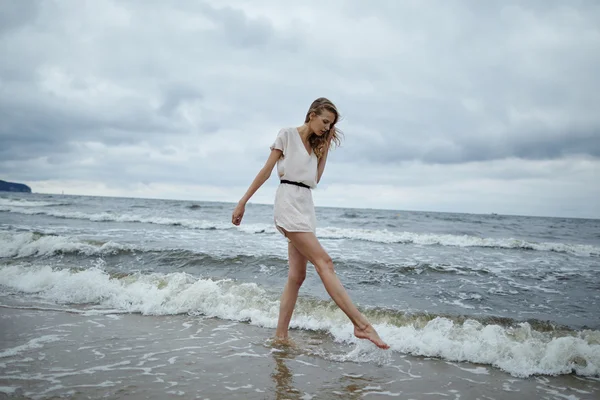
(297, 277)
(324, 265)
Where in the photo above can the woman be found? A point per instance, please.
(300, 154)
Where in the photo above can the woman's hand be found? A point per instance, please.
(238, 214)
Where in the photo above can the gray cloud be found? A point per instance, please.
(17, 13)
(194, 92)
(175, 95)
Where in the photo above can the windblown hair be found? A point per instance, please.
(319, 143)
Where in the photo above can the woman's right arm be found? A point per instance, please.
(260, 179)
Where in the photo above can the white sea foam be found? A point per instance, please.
(24, 203)
(191, 223)
(35, 343)
(386, 236)
(30, 244)
(8, 389)
(520, 350)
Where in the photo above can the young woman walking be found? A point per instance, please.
(301, 154)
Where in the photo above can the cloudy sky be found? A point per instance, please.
(465, 106)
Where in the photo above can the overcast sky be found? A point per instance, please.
(466, 106)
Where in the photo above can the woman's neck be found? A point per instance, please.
(305, 132)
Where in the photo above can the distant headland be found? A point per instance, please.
(14, 187)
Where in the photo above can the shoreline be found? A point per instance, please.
(50, 353)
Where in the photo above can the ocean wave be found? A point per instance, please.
(26, 245)
(350, 215)
(7, 203)
(191, 223)
(429, 239)
(371, 235)
(36, 244)
(29, 244)
(515, 347)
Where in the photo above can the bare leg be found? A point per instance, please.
(308, 245)
(296, 275)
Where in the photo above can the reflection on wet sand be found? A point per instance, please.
(283, 377)
(354, 387)
(346, 387)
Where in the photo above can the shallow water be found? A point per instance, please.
(510, 293)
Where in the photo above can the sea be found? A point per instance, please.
(519, 295)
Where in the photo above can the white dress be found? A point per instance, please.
(294, 209)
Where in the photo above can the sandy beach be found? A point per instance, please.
(48, 354)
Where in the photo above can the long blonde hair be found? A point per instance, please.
(319, 143)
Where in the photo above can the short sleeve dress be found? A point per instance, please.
(294, 209)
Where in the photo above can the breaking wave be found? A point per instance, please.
(519, 348)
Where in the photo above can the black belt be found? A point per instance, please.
(295, 183)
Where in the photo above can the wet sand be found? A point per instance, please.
(50, 354)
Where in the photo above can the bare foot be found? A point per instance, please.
(279, 341)
(368, 332)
